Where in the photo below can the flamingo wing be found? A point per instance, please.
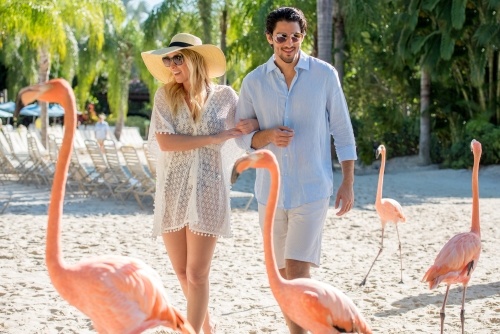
(120, 293)
(328, 307)
(391, 211)
(453, 259)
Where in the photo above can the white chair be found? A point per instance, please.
(242, 194)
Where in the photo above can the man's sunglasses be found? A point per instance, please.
(177, 59)
(282, 38)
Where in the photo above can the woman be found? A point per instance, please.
(192, 124)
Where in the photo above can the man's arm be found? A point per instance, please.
(345, 194)
(280, 136)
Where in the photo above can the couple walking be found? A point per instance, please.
(290, 105)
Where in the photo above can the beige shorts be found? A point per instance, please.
(298, 232)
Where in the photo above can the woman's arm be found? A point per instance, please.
(247, 126)
(178, 142)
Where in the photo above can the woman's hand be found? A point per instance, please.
(225, 135)
(247, 126)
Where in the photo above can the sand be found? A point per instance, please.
(437, 203)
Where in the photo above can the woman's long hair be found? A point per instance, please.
(200, 86)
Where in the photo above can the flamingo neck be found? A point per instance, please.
(273, 274)
(53, 252)
(475, 226)
(378, 199)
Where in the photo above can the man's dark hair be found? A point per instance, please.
(289, 14)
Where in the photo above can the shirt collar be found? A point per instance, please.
(303, 62)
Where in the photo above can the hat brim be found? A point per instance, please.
(214, 58)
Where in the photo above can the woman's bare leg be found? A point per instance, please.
(191, 257)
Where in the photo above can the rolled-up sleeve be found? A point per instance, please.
(340, 121)
(245, 110)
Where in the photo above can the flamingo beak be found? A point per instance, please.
(237, 171)
(250, 160)
(239, 167)
(377, 153)
(235, 174)
(28, 95)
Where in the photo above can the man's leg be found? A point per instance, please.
(303, 243)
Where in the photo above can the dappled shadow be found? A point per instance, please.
(474, 292)
(425, 186)
(28, 199)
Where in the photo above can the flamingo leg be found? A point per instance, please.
(380, 251)
(442, 313)
(400, 255)
(462, 311)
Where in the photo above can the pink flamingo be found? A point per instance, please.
(457, 260)
(313, 305)
(388, 210)
(119, 294)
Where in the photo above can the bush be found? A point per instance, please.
(140, 122)
(381, 125)
(459, 156)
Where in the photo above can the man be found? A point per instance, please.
(298, 102)
(101, 129)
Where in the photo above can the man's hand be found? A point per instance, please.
(345, 194)
(281, 136)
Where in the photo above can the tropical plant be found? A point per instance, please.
(47, 30)
(122, 49)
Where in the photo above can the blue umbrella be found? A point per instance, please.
(56, 110)
(5, 114)
(31, 110)
(8, 106)
(34, 110)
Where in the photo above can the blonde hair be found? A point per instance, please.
(200, 85)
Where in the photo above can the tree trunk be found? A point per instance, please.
(205, 10)
(339, 39)
(496, 92)
(424, 151)
(124, 83)
(223, 36)
(324, 11)
(43, 76)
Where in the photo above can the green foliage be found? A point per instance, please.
(138, 122)
(458, 155)
(379, 126)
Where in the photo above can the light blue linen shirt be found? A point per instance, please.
(314, 107)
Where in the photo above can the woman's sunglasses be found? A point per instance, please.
(282, 38)
(177, 59)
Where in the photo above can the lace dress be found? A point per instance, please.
(192, 187)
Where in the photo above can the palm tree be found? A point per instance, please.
(47, 26)
(427, 38)
(122, 51)
(205, 11)
(324, 13)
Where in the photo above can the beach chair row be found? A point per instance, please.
(116, 170)
(105, 172)
(130, 136)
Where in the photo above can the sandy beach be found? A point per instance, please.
(437, 203)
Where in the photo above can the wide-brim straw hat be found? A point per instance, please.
(214, 57)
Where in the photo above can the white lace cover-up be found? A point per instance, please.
(192, 187)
